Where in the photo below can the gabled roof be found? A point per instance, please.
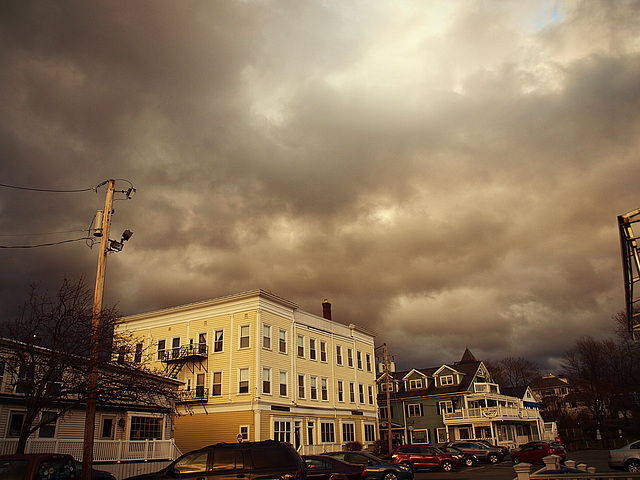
(467, 372)
(415, 370)
(548, 381)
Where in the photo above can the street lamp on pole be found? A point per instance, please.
(106, 245)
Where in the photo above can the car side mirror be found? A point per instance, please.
(369, 462)
(175, 473)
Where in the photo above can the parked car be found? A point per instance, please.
(29, 466)
(466, 459)
(483, 452)
(424, 456)
(268, 459)
(626, 458)
(376, 468)
(95, 473)
(323, 467)
(505, 450)
(535, 452)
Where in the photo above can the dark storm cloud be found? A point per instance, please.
(447, 174)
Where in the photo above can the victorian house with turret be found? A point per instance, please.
(452, 402)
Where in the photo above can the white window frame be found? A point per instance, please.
(415, 383)
(370, 391)
(323, 351)
(313, 388)
(414, 410)
(300, 346)
(324, 389)
(268, 381)
(243, 431)
(301, 386)
(327, 431)
(368, 361)
(352, 392)
(446, 380)
(369, 432)
(340, 391)
(350, 357)
(361, 393)
(241, 370)
(339, 355)
(348, 432)
(282, 341)
(217, 342)
(445, 406)
(313, 354)
(283, 374)
(245, 328)
(162, 352)
(359, 359)
(266, 337)
(279, 433)
(213, 383)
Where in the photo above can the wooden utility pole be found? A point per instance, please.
(386, 361)
(92, 381)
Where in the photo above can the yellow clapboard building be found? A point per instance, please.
(256, 367)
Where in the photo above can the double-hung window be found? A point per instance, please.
(350, 357)
(313, 388)
(340, 391)
(244, 336)
(243, 380)
(324, 388)
(323, 351)
(266, 337)
(283, 383)
(301, 390)
(339, 354)
(312, 349)
(266, 381)
(348, 432)
(327, 432)
(217, 340)
(300, 346)
(216, 386)
(282, 341)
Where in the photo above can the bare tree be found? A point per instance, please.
(588, 366)
(513, 372)
(45, 351)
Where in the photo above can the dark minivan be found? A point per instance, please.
(223, 461)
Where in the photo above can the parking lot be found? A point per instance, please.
(504, 470)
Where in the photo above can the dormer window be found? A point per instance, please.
(414, 384)
(383, 386)
(446, 380)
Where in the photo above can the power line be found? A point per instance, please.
(48, 190)
(36, 234)
(46, 244)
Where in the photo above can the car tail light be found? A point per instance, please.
(364, 472)
(300, 474)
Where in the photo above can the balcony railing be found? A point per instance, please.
(488, 413)
(196, 350)
(200, 394)
(485, 388)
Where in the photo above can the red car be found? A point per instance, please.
(534, 452)
(321, 467)
(424, 456)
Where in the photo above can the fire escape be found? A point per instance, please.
(176, 358)
(631, 268)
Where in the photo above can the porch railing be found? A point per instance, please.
(499, 412)
(103, 450)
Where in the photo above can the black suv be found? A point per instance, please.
(483, 452)
(249, 460)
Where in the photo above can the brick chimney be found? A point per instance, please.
(326, 309)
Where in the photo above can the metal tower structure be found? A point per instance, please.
(631, 268)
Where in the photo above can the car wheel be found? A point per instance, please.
(390, 476)
(447, 466)
(493, 458)
(468, 462)
(516, 460)
(408, 466)
(633, 466)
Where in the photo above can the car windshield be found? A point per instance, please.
(13, 469)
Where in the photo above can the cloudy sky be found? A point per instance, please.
(446, 173)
